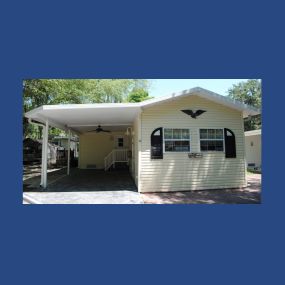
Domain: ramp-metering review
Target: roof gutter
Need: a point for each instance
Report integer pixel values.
(33, 122)
(36, 123)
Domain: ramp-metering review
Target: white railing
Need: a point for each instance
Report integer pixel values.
(116, 155)
(108, 161)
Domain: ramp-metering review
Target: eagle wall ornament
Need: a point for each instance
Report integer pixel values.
(193, 114)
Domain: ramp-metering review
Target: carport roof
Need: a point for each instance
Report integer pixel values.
(82, 117)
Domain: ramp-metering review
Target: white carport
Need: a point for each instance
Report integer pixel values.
(79, 119)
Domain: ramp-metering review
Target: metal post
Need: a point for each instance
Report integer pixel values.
(45, 154)
(68, 154)
(139, 150)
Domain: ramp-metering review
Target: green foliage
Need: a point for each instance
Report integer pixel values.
(249, 92)
(138, 95)
(37, 92)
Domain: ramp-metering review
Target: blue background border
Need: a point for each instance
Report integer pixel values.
(73, 244)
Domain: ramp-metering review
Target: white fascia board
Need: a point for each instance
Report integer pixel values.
(170, 97)
(91, 106)
(31, 114)
(35, 112)
(252, 133)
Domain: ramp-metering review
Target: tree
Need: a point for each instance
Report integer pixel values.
(37, 92)
(248, 92)
(138, 95)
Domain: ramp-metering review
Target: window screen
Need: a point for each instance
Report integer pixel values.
(211, 140)
(177, 140)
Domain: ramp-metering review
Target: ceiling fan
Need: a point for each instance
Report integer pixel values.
(99, 130)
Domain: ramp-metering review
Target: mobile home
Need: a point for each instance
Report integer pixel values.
(192, 140)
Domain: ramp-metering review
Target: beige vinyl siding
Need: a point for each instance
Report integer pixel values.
(177, 172)
(94, 147)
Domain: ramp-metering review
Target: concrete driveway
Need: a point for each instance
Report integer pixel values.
(117, 187)
(99, 197)
(249, 195)
(83, 187)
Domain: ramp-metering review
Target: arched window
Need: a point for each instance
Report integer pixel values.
(230, 144)
(156, 144)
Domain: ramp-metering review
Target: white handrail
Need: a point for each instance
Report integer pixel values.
(108, 161)
(116, 155)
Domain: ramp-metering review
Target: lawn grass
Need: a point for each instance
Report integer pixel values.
(251, 171)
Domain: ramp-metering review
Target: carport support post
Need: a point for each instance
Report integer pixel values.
(44, 155)
(68, 154)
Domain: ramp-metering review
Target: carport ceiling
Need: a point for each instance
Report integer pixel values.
(85, 117)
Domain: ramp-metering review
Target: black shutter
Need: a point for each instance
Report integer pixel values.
(156, 144)
(230, 144)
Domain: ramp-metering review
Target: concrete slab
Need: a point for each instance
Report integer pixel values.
(99, 197)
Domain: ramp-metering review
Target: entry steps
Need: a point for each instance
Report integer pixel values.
(116, 155)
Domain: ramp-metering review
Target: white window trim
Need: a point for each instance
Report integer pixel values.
(211, 151)
(164, 151)
(117, 137)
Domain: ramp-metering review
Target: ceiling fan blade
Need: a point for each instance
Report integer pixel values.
(99, 130)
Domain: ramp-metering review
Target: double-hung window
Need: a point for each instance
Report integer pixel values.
(176, 140)
(212, 139)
